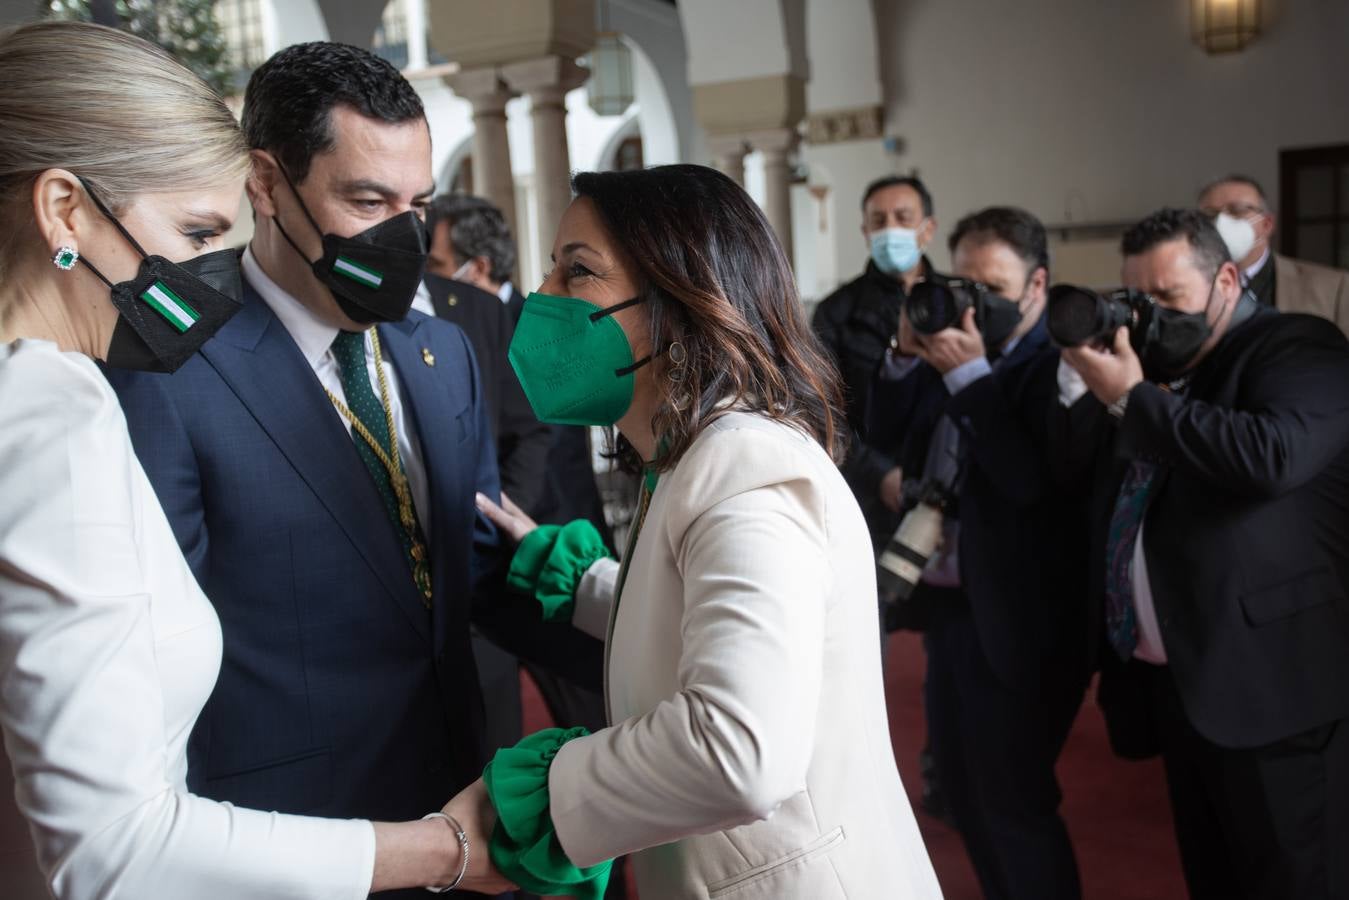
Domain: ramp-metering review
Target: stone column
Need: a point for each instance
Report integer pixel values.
(728, 156)
(763, 113)
(777, 145)
(492, 176)
(546, 82)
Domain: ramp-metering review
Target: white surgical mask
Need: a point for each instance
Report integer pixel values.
(1237, 234)
(459, 272)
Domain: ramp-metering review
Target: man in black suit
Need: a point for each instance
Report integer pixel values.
(1221, 547)
(474, 246)
(967, 408)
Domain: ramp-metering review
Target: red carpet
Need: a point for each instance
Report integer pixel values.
(1116, 811)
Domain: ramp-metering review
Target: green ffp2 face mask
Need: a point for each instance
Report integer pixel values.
(574, 360)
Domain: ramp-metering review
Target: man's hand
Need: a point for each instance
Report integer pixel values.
(511, 519)
(473, 809)
(952, 347)
(1109, 373)
(906, 341)
(890, 489)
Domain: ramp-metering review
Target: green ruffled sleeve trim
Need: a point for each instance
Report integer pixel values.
(549, 564)
(524, 846)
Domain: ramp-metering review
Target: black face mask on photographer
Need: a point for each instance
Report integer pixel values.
(373, 275)
(1001, 317)
(1176, 340)
(169, 309)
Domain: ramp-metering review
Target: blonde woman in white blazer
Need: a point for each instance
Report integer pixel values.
(749, 755)
(115, 159)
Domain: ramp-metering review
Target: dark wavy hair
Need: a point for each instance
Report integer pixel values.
(716, 280)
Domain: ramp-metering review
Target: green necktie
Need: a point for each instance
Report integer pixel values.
(349, 351)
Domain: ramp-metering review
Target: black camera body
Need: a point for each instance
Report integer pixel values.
(1079, 316)
(939, 301)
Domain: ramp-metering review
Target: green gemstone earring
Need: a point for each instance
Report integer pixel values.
(65, 258)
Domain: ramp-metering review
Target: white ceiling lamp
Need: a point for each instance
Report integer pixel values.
(610, 87)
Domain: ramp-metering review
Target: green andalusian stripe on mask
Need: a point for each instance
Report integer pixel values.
(169, 305)
(357, 272)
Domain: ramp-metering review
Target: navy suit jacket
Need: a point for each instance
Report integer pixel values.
(340, 694)
(1022, 545)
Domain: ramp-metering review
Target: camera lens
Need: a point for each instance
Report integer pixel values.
(1076, 315)
(932, 306)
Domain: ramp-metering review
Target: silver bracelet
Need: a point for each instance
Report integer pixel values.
(463, 851)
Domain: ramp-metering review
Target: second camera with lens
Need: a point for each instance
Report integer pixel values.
(939, 301)
(1079, 316)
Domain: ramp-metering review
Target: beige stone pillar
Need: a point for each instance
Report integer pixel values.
(492, 176)
(777, 145)
(728, 156)
(763, 113)
(546, 82)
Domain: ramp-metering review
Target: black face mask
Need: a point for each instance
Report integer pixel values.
(373, 275)
(999, 318)
(1176, 340)
(169, 309)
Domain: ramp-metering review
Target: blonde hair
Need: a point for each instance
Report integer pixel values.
(113, 109)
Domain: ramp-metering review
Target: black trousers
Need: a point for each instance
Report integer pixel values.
(995, 749)
(1267, 823)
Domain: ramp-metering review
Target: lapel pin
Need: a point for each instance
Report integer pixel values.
(428, 357)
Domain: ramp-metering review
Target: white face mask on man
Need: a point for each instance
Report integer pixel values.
(1237, 234)
(459, 272)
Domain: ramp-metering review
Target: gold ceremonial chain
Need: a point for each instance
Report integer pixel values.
(421, 568)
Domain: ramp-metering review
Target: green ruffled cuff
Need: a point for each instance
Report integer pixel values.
(549, 564)
(524, 845)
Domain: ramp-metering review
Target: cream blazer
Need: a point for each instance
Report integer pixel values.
(1306, 287)
(750, 755)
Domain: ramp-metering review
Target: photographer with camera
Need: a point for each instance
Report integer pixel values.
(1220, 550)
(962, 403)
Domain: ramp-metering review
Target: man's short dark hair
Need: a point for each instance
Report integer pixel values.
(477, 228)
(290, 98)
(1194, 227)
(1236, 178)
(908, 181)
(1014, 227)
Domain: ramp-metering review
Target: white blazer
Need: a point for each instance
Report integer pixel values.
(108, 650)
(750, 755)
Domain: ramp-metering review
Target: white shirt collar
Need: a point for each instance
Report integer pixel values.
(313, 336)
(504, 292)
(421, 302)
(1258, 265)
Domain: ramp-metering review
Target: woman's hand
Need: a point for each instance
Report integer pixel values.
(510, 518)
(473, 809)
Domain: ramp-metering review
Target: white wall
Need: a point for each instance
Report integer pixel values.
(729, 41)
(1101, 111)
(841, 43)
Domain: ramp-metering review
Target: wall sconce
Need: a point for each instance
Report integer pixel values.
(1224, 26)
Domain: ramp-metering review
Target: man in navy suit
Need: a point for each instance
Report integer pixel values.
(319, 463)
(969, 407)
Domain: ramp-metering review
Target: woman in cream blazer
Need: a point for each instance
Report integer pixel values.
(749, 755)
